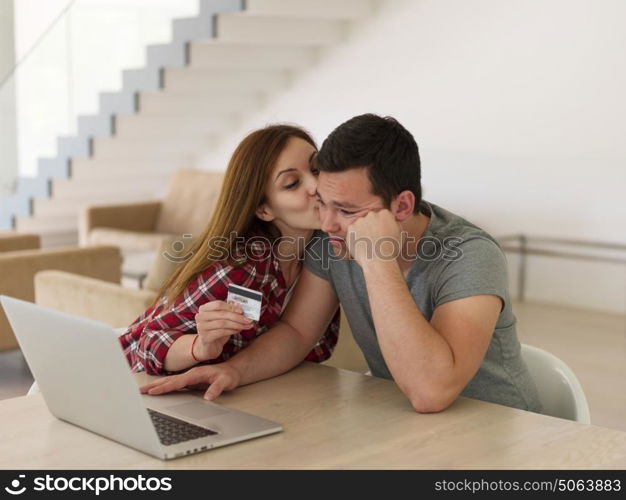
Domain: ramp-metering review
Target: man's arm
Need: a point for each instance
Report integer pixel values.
(278, 350)
(287, 343)
(431, 362)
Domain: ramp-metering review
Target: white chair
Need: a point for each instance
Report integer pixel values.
(560, 392)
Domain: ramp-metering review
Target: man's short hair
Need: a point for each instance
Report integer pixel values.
(384, 147)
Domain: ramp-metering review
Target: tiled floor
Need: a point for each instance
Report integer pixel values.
(593, 345)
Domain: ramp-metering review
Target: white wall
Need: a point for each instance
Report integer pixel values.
(518, 107)
(32, 20)
(8, 150)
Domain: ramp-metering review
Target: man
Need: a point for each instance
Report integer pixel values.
(424, 291)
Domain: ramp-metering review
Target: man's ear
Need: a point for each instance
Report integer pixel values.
(402, 205)
(263, 212)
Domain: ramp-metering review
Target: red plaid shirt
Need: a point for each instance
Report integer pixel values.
(148, 338)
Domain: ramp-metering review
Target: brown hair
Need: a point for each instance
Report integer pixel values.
(243, 191)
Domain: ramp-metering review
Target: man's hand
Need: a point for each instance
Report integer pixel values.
(216, 321)
(376, 236)
(220, 377)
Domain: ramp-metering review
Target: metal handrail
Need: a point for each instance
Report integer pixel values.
(566, 241)
(525, 249)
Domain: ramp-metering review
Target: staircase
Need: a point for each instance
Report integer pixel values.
(219, 66)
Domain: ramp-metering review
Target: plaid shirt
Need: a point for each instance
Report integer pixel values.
(149, 337)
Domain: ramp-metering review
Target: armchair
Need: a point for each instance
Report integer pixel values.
(108, 302)
(11, 241)
(141, 227)
(18, 269)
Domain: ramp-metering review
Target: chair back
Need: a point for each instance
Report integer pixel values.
(10, 241)
(189, 202)
(560, 392)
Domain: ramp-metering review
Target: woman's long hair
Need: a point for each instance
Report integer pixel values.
(243, 191)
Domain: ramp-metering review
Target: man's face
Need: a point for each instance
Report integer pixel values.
(344, 197)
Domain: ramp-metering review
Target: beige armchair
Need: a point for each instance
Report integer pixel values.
(110, 303)
(18, 269)
(91, 298)
(11, 241)
(141, 227)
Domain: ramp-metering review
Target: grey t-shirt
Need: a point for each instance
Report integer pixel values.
(455, 259)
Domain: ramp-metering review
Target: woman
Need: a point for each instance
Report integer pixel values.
(265, 215)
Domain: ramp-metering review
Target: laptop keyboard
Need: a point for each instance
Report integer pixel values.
(172, 430)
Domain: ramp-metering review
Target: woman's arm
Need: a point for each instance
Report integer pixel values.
(178, 356)
(146, 344)
(161, 342)
(278, 350)
(216, 321)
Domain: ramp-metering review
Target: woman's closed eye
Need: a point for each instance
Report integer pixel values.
(292, 184)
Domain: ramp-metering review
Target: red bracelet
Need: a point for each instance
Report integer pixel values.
(192, 344)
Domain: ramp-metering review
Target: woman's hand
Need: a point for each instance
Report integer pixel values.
(216, 321)
(220, 377)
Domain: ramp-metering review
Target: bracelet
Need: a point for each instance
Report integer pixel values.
(192, 344)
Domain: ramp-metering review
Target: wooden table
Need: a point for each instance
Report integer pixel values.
(333, 419)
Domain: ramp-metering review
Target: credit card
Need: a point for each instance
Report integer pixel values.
(249, 300)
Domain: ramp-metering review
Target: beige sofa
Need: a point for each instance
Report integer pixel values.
(110, 303)
(11, 241)
(141, 227)
(18, 269)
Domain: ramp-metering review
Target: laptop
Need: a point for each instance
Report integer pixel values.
(83, 375)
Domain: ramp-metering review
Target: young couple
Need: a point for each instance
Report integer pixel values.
(425, 291)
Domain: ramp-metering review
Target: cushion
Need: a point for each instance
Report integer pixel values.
(129, 241)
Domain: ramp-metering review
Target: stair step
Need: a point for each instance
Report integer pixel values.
(74, 206)
(95, 169)
(192, 104)
(80, 188)
(319, 9)
(264, 29)
(59, 239)
(44, 224)
(195, 129)
(207, 81)
(60, 205)
(217, 54)
(51, 237)
(176, 150)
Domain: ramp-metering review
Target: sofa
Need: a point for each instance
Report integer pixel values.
(19, 267)
(10, 241)
(143, 226)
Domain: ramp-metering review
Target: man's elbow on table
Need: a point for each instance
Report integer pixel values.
(431, 401)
